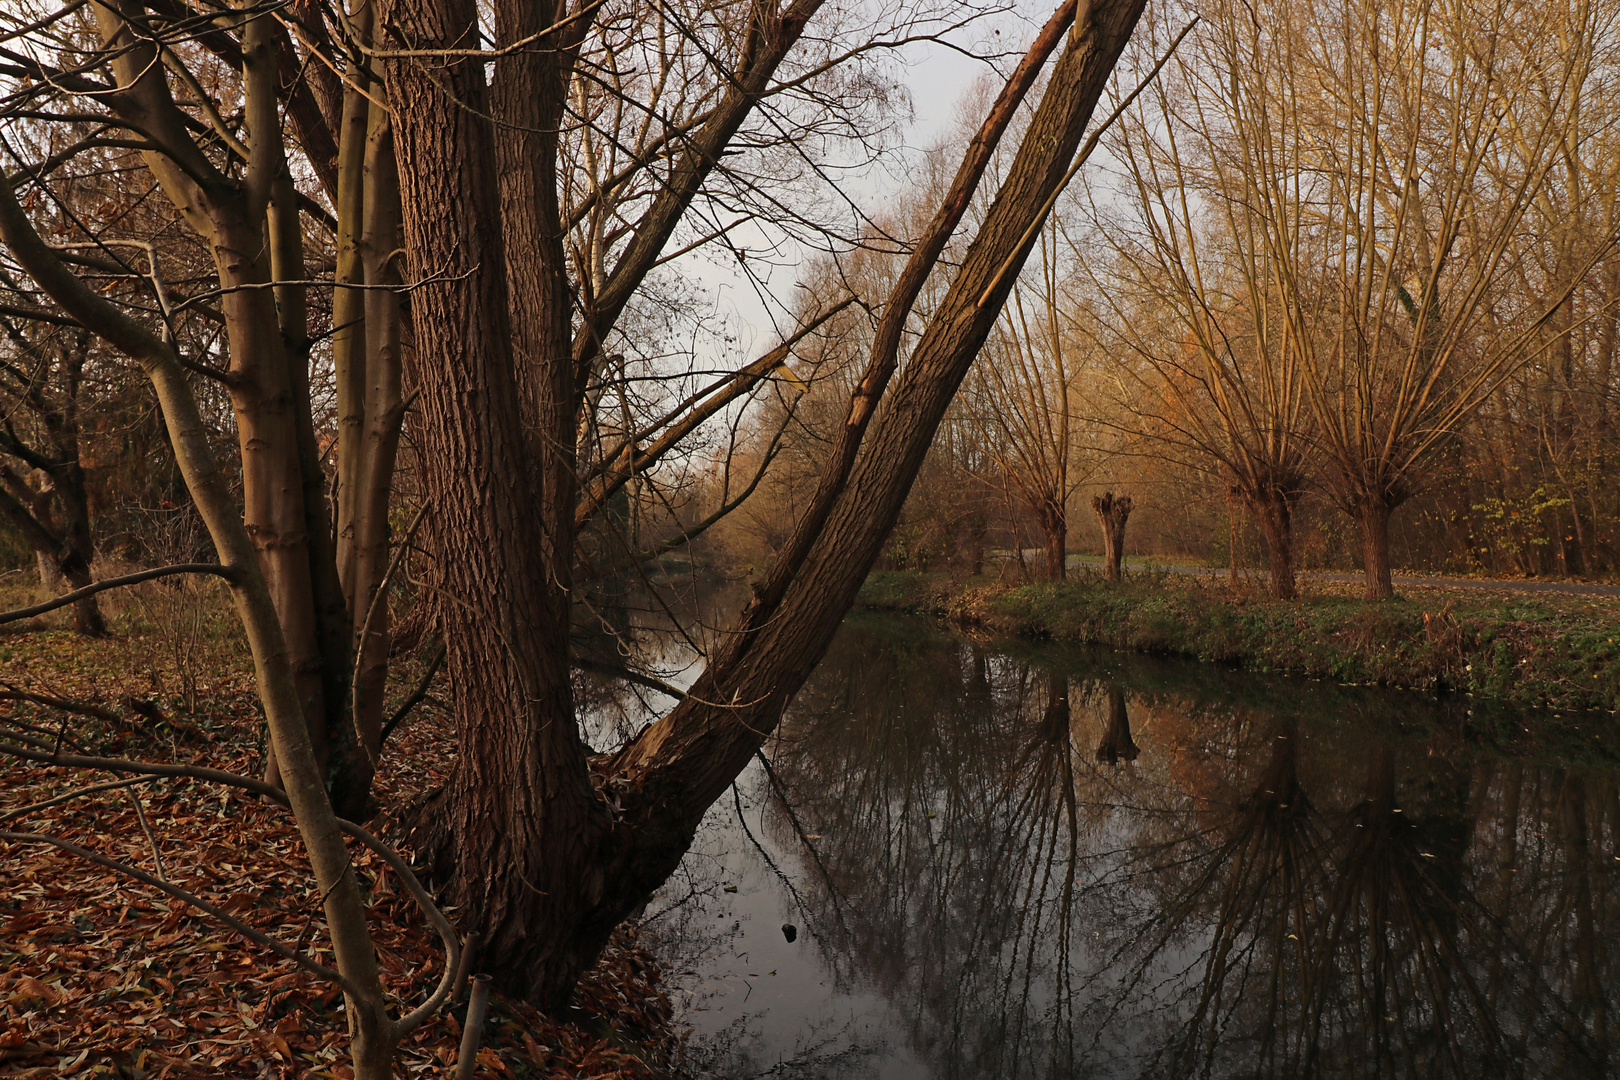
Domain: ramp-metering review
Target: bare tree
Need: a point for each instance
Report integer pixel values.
(1196, 295)
(45, 495)
(1020, 399)
(546, 851)
(1385, 158)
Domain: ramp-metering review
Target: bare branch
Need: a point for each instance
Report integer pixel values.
(118, 582)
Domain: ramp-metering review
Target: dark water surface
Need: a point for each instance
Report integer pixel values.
(1058, 863)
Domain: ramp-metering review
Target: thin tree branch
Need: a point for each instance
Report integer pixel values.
(118, 582)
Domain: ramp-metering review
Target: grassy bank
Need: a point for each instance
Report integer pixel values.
(1548, 650)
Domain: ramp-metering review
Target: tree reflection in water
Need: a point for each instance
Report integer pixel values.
(1284, 879)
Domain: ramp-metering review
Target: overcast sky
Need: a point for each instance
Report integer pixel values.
(937, 76)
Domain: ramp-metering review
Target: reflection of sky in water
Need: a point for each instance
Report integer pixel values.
(1291, 879)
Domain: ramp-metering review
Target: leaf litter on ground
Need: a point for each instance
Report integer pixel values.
(104, 976)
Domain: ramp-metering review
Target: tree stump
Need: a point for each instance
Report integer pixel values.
(1112, 513)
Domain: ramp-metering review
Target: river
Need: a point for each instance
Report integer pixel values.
(1013, 860)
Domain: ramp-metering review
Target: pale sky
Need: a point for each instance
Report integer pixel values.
(938, 77)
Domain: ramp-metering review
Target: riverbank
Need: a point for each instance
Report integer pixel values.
(1561, 652)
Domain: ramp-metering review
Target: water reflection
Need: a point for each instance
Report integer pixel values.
(1058, 864)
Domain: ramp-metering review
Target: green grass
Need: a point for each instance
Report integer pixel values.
(1554, 651)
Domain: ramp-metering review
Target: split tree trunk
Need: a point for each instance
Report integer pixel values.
(544, 854)
(1112, 513)
(372, 1032)
(521, 835)
(251, 226)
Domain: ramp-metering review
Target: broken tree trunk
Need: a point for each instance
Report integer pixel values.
(1112, 513)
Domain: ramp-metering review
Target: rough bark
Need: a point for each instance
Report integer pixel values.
(1274, 511)
(1112, 514)
(520, 825)
(1372, 518)
(1055, 532)
(679, 765)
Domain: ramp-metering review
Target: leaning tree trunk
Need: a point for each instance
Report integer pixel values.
(1112, 513)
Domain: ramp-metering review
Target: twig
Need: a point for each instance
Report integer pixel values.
(417, 696)
(226, 572)
(620, 671)
(12, 692)
(140, 815)
(69, 796)
(365, 633)
(447, 931)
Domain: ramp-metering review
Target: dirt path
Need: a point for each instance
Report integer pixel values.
(1567, 588)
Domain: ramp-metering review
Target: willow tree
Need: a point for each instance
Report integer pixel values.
(1199, 299)
(1019, 400)
(210, 116)
(1384, 158)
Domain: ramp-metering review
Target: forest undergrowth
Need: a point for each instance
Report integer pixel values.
(103, 976)
(1546, 651)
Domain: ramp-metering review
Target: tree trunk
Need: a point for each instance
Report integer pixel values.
(1112, 513)
(62, 552)
(50, 575)
(1573, 540)
(1275, 512)
(250, 225)
(1234, 535)
(239, 551)
(383, 418)
(1055, 529)
(1372, 517)
(520, 834)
